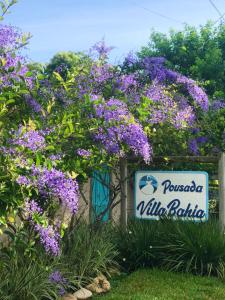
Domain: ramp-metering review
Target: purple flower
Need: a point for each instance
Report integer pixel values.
(217, 105)
(7, 150)
(36, 107)
(100, 74)
(83, 152)
(23, 180)
(195, 130)
(197, 94)
(94, 97)
(194, 144)
(184, 118)
(57, 277)
(49, 237)
(102, 50)
(31, 208)
(167, 107)
(130, 59)
(9, 37)
(32, 140)
(56, 184)
(156, 92)
(55, 157)
(154, 67)
(127, 81)
(61, 291)
(193, 147)
(202, 139)
(120, 129)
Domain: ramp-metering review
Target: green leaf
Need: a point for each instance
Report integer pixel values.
(11, 101)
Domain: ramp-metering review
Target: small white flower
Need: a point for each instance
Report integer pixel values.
(124, 259)
(130, 232)
(154, 130)
(150, 247)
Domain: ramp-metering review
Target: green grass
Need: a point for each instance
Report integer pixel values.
(160, 285)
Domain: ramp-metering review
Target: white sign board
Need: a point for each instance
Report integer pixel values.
(178, 194)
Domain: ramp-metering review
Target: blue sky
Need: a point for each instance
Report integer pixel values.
(62, 25)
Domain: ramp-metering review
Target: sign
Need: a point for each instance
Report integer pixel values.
(178, 194)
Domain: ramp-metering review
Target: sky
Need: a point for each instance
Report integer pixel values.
(75, 25)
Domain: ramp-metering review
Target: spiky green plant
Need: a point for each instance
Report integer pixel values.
(90, 251)
(23, 280)
(198, 248)
(137, 244)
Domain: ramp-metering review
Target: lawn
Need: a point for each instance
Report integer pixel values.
(161, 285)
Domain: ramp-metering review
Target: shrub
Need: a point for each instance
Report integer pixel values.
(19, 281)
(137, 245)
(88, 252)
(197, 248)
(24, 272)
(29, 273)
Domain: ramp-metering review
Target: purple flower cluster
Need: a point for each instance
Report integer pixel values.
(7, 150)
(130, 59)
(217, 105)
(155, 68)
(33, 140)
(167, 107)
(36, 107)
(9, 37)
(184, 118)
(23, 180)
(57, 278)
(194, 144)
(49, 235)
(83, 152)
(102, 49)
(94, 97)
(55, 157)
(156, 92)
(31, 208)
(100, 74)
(121, 129)
(49, 238)
(127, 82)
(14, 65)
(195, 91)
(136, 139)
(56, 184)
(112, 110)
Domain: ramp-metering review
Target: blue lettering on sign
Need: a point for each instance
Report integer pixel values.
(169, 187)
(173, 209)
